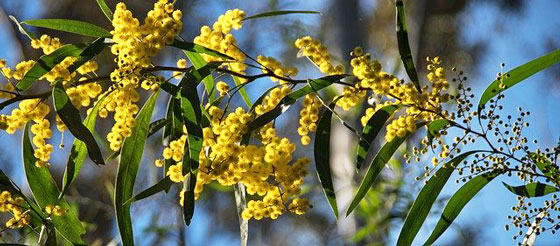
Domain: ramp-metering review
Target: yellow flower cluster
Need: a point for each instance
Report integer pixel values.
(319, 55)
(181, 63)
(19, 71)
(175, 152)
(308, 117)
(81, 95)
(222, 88)
(299, 206)
(13, 206)
(42, 131)
(55, 210)
(272, 99)
(419, 106)
(134, 45)
(271, 64)
(219, 38)
(123, 103)
(46, 43)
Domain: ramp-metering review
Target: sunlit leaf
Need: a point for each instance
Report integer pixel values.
(426, 198)
(158, 187)
(71, 26)
(457, 202)
(535, 189)
(372, 128)
(157, 125)
(242, 91)
(199, 62)
(45, 192)
(404, 47)
(375, 167)
(129, 163)
(517, 75)
(281, 12)
(322, 157)
(105, 9)
(72, 119)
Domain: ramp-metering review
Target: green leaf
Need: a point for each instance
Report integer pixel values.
(191, 115)
(47, 62)
(22, 29)
(79, 150)
(105, 9)
(532, 189)
(71, 26)
(290, 99)
(404, 47)
(242, 91)
(161, 185)
(72, 119)
(157, 125)
(372, 128)
(434, 127)
(195, 48)
(517, 75)
(51, 235)
(282, 12)
(198, 62)
(458, 201)
(129, 163)
(6, 184)
(426, 198)
(322, 156)
(172, 131)
(375, 167)
(45, 192)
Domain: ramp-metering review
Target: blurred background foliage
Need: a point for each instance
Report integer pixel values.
(436, 27)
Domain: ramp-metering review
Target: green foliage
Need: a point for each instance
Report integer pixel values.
(372, 128)
(282, 12)
(404, 47)
(375, 167)
(322, 156)
(532, 189)
(426, 198)
(45, 192)
(72, 119)
(71, 26)
(517, 75)
(129, 163)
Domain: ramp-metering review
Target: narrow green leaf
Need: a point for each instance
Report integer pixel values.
(157, 125)
(71, 26)
(47, 62)
(458, 201)
(281, 12)
(45, 192)
(404, 47)
(22, 29)
(172, 131)
(199, 49)
(72, 119)
(435, 127)
(129, 163)
(290, 99)
(191, 116)
(322, 156)
(79, 150)
(158, 187)
(243, 92)
(517, 75)
(426, 198)
(199, 62)
(51, 235)
(6, 184)
(532, 189)
(105, 9)
(375, 167)
(372, 128)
